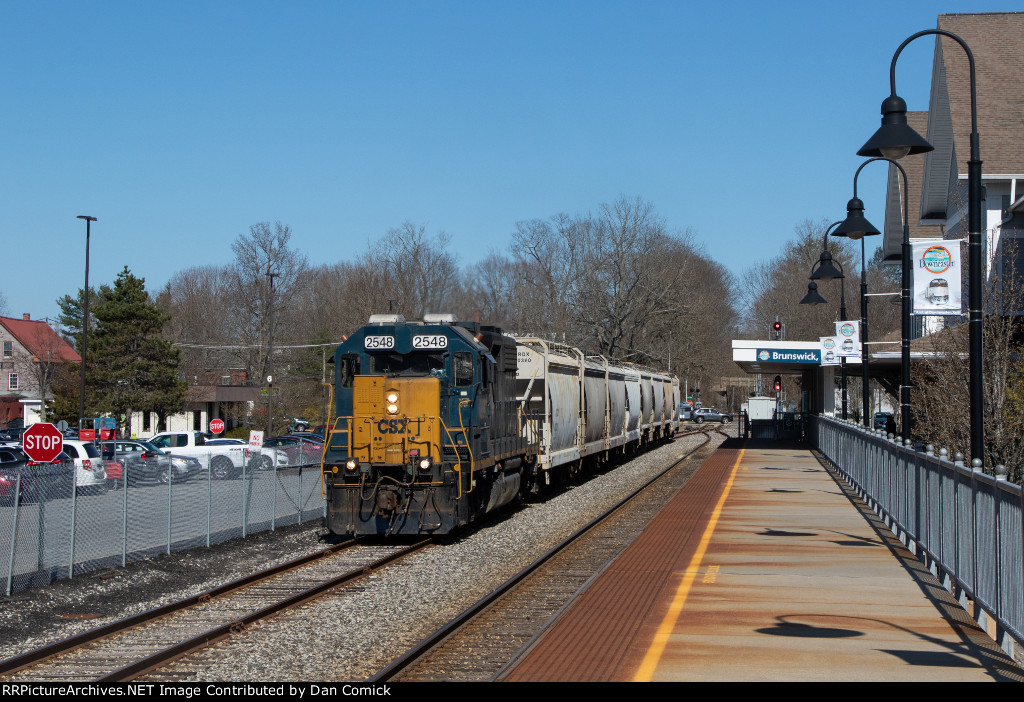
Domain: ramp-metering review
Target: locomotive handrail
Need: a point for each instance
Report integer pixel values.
(458, 459)
(469, 445)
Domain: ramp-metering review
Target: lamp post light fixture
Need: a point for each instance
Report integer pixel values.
(85, 318)
(828, 269)
(856, 227)
(895, 139)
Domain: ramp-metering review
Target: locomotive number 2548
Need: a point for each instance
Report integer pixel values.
(379, 342)
(430, 341)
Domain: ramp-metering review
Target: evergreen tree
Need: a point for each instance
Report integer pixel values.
(130, 366)
(70, 317)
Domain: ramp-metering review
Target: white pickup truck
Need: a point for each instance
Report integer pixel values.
(223, 461)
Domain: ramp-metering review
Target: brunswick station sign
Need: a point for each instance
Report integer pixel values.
(789, 356)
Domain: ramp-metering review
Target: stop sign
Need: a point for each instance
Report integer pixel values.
(216, 426)
(42, 442)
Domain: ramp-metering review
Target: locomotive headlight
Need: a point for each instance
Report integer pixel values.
(392, 406)
(425, 464)
(351, 465)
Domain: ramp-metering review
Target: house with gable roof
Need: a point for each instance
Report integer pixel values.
(30, 353)
(939, 182)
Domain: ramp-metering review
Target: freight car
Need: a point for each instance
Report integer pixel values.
(437, 423)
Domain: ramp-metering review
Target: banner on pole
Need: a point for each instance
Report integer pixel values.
(848, 338)
(936, 289)
(829, 357)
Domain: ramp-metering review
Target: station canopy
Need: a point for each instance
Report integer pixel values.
(777, 357)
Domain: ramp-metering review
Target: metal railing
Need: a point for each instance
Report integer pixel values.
(968, 527)
(51, 528)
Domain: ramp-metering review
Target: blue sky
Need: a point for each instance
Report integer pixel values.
(180, 124)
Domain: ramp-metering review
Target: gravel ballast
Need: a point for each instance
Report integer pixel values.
(344, 636)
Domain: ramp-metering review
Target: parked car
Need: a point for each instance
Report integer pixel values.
(710, 414)
(38, 479)
(14, 461)
(685, 411)
(222, 460)
(144, 462)
(297, 450)
(885, 420)
(89, 473)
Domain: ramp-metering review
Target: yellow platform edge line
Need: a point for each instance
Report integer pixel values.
(646, 671)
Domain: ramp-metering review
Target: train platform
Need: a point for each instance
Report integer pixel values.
(765, 567)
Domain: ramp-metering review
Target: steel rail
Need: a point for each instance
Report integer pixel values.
(423, 647)
(52, 651)
(156, 660)
(37, 655)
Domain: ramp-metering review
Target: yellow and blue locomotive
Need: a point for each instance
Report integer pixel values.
(427, 434)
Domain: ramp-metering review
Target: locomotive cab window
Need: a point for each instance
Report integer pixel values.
(348, 369)
(462, 367)
(392, 364)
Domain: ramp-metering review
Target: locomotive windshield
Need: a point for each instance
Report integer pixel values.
(406, 364)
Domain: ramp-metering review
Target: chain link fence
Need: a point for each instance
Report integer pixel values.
(51, 527)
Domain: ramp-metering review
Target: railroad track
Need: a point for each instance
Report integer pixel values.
(484, 640)
(126, 649)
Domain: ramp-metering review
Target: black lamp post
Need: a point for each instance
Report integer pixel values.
(270, 358)
(856, 227)
(895, 139)
(85, 318)
(862, 227)
(828, 269)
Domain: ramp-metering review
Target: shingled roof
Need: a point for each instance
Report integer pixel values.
(40, 340)
(997, 41)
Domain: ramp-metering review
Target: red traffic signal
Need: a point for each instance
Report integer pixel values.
(777, 326)
(778, 383)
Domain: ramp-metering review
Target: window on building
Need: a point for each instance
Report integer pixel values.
(8, 349)
(12, 381)
(225, 380)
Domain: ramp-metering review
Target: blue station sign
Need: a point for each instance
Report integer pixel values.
(789, 356)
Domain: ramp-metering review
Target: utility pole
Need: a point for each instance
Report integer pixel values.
(270, 358)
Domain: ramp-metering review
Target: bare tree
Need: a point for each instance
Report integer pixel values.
(200, 308)
(420, 273)
(940, 397)
(550, 258)
(774, 289)
(263, 250)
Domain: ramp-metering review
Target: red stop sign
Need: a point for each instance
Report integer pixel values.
(43, 442)
(216, 426)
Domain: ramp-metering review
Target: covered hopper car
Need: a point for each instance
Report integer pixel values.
(437, 423)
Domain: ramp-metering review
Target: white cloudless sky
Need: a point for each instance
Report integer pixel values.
(180, 124)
